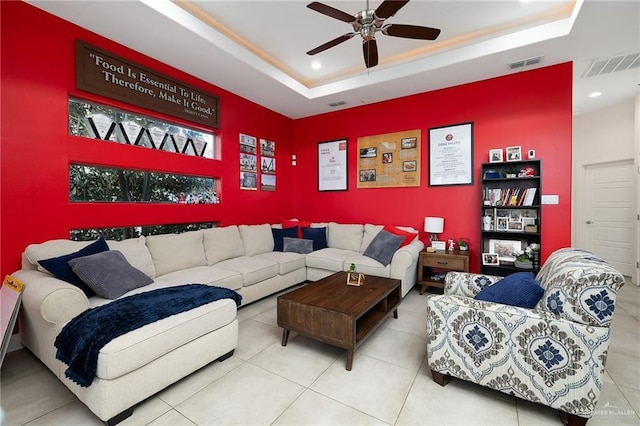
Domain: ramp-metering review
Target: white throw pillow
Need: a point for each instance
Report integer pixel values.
(345, 236)
(257, 239)
(174, 252)
(222, 243)
(136, 252)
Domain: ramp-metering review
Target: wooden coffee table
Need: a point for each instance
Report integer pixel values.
(333, 312)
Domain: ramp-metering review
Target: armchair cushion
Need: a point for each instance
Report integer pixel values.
(519, 289)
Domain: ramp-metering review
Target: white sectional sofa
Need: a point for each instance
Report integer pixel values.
(138, 364)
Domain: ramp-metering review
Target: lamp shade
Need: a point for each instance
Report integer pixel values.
(434, 225)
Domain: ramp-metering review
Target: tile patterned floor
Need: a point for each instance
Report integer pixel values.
(305, 383)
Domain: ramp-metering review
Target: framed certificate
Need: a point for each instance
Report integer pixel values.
(332, 165)
(451, 155)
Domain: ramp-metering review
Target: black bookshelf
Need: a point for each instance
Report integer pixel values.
(511, 214)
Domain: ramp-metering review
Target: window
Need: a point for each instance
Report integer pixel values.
(91, 120)
(123, 233)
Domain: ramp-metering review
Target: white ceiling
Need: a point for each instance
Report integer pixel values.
(256, 49)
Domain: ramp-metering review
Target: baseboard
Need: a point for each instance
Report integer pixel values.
(14, 343)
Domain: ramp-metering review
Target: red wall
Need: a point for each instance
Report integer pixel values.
(38, 76)
(529, 109)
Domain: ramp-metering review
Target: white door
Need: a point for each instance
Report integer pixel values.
(608, 214)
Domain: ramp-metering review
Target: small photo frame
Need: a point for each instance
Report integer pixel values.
(387, 157)
(408, 143)
(514, 153)
(370, 152)
(439, 245)
(502, 223)
(495, 156)
(409, 166)
(515, 226)
(490, 259)
(355, 279)
(368, 175)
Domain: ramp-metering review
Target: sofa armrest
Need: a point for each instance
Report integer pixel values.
(404, 265)
(53, 300)
(467, 284)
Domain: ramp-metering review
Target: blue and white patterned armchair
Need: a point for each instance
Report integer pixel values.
(553, 354)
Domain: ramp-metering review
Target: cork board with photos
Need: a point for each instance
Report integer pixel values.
(389, 160)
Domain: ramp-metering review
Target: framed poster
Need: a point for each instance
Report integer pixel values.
(389, 160)
(332, 165)
(451, 155)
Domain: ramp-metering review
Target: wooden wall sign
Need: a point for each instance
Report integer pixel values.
(389, 160)
(106, 74)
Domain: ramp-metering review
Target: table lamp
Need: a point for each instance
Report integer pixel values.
(434, 226)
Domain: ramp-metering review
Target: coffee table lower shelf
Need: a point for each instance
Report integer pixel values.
(334, 313)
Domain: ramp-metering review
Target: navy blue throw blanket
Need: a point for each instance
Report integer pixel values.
(81, 339)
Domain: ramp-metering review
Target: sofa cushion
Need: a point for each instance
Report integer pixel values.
(52, 248)
(279, 234)
(252, 269)
(136, 252)
(298, 245)
(60, 268)
(256, 239)
(173, 252)
(331, 259)
(108, 273)
(383, 246)
(519, 289)
(210, 275)
(222, 243)
(408, 236)
(370, 231)
(140, 347)
(345, 236)
(317, 235)
(287, 261)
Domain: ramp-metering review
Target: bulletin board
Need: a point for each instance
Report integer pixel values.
(389, 160)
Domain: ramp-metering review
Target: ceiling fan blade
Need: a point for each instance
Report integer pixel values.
(329, 44)
(332, 12)
(411, 31)
(370, 50)
(389, 8)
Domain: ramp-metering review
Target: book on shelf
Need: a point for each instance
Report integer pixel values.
(513, 197)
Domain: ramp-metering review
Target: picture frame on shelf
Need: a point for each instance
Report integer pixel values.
(505, 249)
(495, 156)
(490, 259)
(514, 153)
(439, 245)
(515, 226)
(502, 223)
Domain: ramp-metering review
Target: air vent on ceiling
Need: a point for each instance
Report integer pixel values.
(613, 64)
(337, 104)
(525, 63)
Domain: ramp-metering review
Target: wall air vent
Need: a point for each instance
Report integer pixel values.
(613, 64)
(525, 63)
(337, 104)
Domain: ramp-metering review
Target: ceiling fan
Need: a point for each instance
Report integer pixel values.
(367, 22)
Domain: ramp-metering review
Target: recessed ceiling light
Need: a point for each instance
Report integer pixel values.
(595, 94)
(316, 65)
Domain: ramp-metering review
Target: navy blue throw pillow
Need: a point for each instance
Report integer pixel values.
(317, 235)
(60, 268)
(279, 234)
(519, 289)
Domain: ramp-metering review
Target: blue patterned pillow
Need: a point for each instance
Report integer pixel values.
(519, 289)
(279, 234)
(60, 268)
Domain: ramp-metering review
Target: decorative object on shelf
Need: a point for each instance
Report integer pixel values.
(451, 244)
(525, 258)
(510, 172)
(434, 226)
(514, 153)
(487, 223)
(491, 174)
(495, 156)
(354, 278)
(463, 244)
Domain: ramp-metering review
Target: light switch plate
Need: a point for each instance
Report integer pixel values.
(550, 199)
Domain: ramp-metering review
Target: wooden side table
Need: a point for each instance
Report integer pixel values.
(433, 266)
